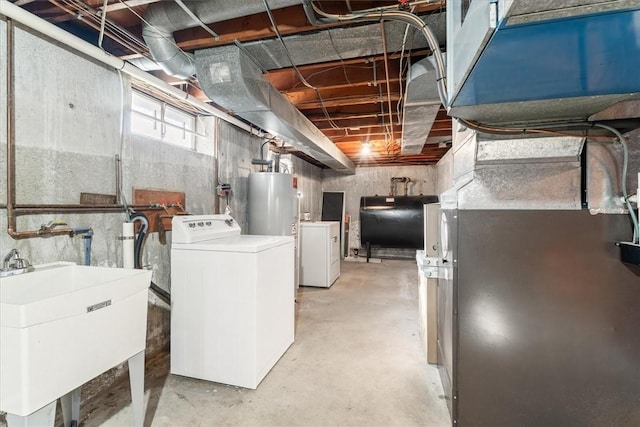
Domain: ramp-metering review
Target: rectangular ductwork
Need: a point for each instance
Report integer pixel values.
(229, 76)
(421, 105)
(518, 63)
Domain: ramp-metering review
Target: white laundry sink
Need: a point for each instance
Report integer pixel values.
(64, 324)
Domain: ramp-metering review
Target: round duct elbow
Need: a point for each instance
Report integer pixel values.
(169, 57)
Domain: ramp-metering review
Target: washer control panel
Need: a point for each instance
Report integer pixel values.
(198, 228)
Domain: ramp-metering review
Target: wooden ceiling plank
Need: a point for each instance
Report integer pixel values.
(347, 102)
(328, 94)
(126, 4)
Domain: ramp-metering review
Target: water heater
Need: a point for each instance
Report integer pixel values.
(272, 204)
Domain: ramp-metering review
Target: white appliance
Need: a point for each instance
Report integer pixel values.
(232, 300)
(319, 253)
(428, 274)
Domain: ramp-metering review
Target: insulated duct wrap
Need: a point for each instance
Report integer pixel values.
(337, 44)
(229, 76)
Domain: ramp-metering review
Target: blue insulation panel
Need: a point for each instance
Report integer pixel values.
(579, 56)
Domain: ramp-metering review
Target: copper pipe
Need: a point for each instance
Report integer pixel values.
(11, 133)
(40, 211)
(46, 208)
(20, 210)
(386, 73)
(42, 233)
(14, 210)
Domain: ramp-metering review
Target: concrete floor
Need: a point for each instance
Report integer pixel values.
(356, 361)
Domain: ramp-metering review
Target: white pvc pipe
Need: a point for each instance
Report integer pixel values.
(34, 22)
(127, 245)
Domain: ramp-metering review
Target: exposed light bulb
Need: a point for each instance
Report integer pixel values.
(366, 148)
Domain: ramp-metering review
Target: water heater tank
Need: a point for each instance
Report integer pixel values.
(272, 204)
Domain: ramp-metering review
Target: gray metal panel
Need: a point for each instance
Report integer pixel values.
(528, 113)
(548, 320)
(529, 150)
(530, 11)
(523, 186)
(271, 203)
(465, 42)
(235, 82)
(446, 297)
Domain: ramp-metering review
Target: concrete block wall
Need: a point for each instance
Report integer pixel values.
(371, 181)
(72, 118)
(309, 179)
(237, 149)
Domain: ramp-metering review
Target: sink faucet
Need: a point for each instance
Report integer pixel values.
(13, 264)
(13, 254)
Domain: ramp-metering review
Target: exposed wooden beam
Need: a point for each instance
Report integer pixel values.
(126, 4)
(291, 20)
(371, 108)
(297, 98)
(364, 130)
(369, 122)
(347, 101)
(334, 74)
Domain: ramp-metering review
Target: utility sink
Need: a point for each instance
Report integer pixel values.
(64, 324)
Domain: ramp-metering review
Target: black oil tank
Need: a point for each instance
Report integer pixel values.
(393, 222)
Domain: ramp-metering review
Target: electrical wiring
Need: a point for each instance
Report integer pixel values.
(196, 19)
(94, 19)
(344, 69)
(380, 14)
(402, 71)
(623, 179)
(103, 21)
(295, 67)
(168, 39)
(326, 70)
(547, 129)
(387, 77)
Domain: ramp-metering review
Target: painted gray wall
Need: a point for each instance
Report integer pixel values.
(237, 149)
(309, 179)
(69, 116)
(371, 181)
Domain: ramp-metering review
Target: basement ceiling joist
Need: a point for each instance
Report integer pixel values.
(360, 98)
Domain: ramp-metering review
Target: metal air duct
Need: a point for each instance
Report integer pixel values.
(421, 105)
(229, 76)
(162, 19)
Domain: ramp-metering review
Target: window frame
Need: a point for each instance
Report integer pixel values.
(162, 128)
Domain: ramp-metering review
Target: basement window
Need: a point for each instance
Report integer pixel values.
(158, 120)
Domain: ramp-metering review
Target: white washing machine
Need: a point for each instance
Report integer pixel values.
(232, 300)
